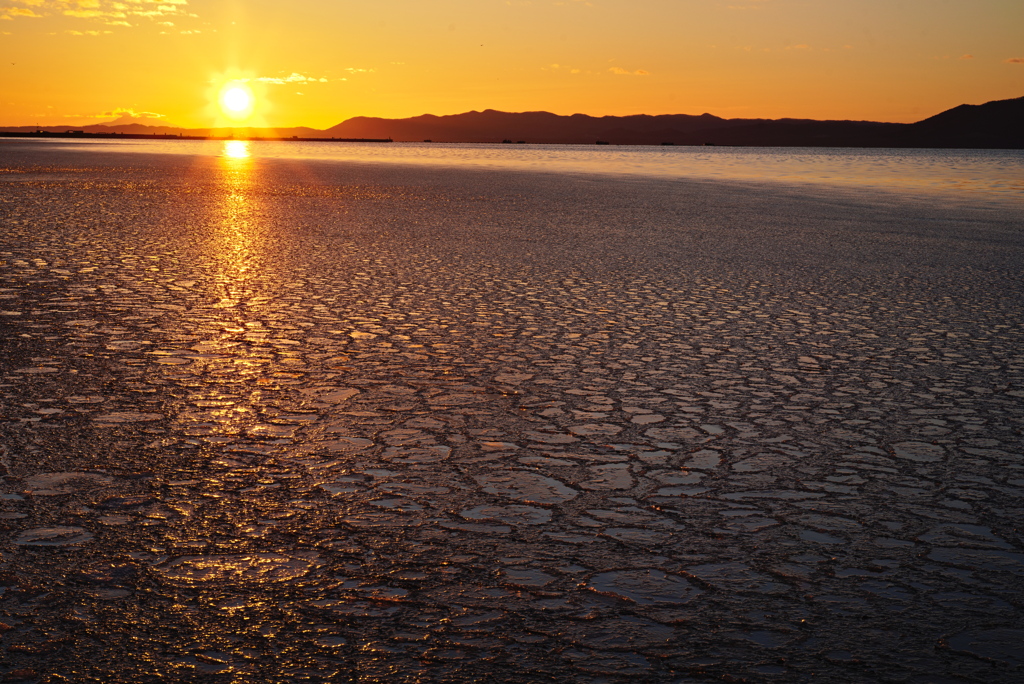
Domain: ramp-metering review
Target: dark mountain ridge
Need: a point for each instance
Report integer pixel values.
(994, 124)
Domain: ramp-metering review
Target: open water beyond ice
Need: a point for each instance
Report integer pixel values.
(953, 175)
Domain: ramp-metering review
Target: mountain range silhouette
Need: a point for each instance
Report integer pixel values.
(994, 124)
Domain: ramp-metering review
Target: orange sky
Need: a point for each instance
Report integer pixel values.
(318, 62)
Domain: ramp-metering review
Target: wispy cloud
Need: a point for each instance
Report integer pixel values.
(562, 67)
(296, 77)
(129, 112)
(8, 13)
(93, 14)
(120, 113)
(281, 80)
(966, 56)
(1015, 60)
(619, 71)
(110, 12)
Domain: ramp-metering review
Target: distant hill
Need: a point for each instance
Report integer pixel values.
(110, 127)
(133, 127)
(990, 125)
(993, 125)
(137, 128)
(534, 127)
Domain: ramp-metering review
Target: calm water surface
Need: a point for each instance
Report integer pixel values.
(992, 174)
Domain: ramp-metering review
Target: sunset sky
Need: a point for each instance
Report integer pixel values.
(318, 62)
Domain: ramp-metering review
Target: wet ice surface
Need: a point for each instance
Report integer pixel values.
(272, 421)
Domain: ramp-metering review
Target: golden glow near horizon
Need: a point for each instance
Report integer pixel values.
(316, 63)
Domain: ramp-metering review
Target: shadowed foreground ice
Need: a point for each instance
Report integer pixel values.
(283, 421)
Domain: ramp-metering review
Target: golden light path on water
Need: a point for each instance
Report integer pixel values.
(238, 230)
(238, 244)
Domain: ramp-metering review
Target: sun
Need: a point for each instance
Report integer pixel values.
(237, 101)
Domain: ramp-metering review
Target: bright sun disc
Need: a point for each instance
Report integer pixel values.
(236, 100)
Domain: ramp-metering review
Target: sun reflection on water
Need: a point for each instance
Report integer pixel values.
(238, 235)
(236, 149)
(237, 245)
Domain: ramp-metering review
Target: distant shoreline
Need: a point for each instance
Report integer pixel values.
(78, 135)
(73, 135)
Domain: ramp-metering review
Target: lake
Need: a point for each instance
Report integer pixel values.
(298, 412)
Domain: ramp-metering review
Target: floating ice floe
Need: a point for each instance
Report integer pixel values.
(53, 536)
(511, 515)
(921, 452)
(644, 587)
(999, 645)
(127, 417)
(736, 577)
(595, 429)
(256, 568)
(526, 486)
(51, 484)
(612, 476)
